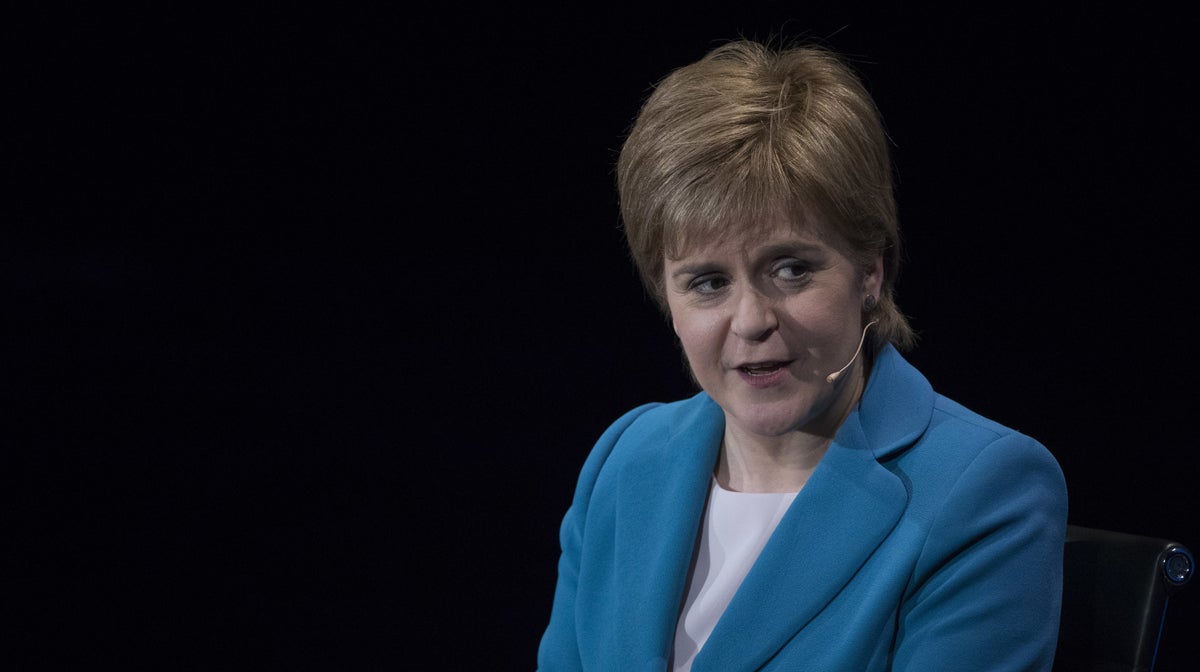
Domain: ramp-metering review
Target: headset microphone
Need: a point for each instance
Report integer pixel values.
(836, 374)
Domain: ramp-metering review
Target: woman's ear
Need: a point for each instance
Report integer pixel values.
(873, 277)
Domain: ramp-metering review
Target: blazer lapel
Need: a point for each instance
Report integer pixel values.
(665, 488)
(844, 512)
(847, 508)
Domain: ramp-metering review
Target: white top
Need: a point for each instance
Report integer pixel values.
(736, 527)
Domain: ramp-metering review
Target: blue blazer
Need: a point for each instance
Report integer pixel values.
(928, 538)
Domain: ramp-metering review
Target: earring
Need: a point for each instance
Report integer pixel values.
(869, 303)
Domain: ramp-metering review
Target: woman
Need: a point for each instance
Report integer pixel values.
(816, 506)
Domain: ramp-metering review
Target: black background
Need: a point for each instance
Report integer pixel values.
(312, 314)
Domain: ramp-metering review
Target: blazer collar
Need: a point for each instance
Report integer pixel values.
(845, 511)
(897, 405)
(847, 508)
(666, 488)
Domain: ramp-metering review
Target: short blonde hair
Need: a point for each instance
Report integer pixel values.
(746, 134)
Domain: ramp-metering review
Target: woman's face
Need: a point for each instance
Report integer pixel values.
(765, 318)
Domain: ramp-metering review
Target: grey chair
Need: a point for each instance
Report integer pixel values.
(1116, 587)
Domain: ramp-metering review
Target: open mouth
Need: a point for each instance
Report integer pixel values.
(762, 369)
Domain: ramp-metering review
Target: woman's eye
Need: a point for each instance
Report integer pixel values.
(707, 284)
(791, 270)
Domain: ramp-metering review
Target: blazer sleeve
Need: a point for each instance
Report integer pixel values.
(559, 646)
(988, 584)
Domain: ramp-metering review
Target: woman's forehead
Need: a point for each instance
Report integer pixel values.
(747, 233)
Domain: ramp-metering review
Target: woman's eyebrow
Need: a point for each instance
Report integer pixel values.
(794, 247)
(692, 268)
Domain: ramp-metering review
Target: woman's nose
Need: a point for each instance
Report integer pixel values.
(754, 316)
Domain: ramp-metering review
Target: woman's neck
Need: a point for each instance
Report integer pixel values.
(750, 463)
(761, 467)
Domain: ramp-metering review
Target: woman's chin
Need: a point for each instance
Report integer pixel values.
(765, 422)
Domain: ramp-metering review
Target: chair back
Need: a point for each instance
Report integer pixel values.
(1116, 587)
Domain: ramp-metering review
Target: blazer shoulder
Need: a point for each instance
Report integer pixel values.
(959, 438)
(651, 420)
(952, 418)
(618, 427)
(650, 427)
(612, 435)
